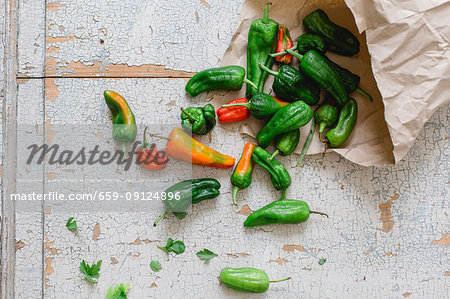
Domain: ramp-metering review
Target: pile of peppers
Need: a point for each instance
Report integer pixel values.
(295, 104)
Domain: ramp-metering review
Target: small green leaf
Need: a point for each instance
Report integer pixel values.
(178, 247)
(322, 261)
(118, 291)
(90, 272)
(206, 254)
(169, 242)
(71, 225)
(155, 265)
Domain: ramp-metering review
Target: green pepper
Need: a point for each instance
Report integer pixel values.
(262, 105)
(286, 211)
(308, 41)
(179, 197)
(337, 38)
(199, 121)
(242, 174)
(222, 78)
(278, 174)
(286, 143)
(347, 119)
(326, 116)
(317, 67)
(262, 40)
(293, 116)
(124, 125)
(307, 142)
(249, 280)
(291, 85)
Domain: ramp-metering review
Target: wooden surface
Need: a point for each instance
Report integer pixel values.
(388, 231)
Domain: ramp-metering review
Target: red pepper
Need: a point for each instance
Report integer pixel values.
(149, 156)
(234, 113)
(284, 42)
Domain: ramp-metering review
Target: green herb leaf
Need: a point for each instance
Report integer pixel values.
(71, 225)
(90, 272)
(155, 265)
(119, 291)
(206, 254)
(322, 261)
(178, 247)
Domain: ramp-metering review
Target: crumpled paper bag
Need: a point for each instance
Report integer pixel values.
(407, 70)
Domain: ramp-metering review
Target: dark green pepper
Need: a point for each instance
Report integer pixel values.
(293, 116)
(286, 143)
(308, 41)
(286, 211)
(307, 142)
(262, 40)
(279, 175)
(222, 78)
(317, 67)
(199, 121)
(249, 280)
(262, 105)
(347, 119)
(325, 117)
(291, 85)
(179, 197)
(338, 39)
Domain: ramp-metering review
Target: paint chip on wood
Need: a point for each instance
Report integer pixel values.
(96, 232)
(386, 216)
(291, 248)
(444, 240)
(19, 245)
(48, 269)
(245, 210)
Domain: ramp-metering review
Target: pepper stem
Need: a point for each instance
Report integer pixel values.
(283, 194)
(320, 213)
(266, 13)
(250, 83)
(124, 150)
(307, 141)
(294, 47)
(322, 126)
(364, 93)
(160, 137)
(266, 69)
(295, 54)
(247, 105)
(144, 141)
(159, 218)
(273, 155)
(235, 191)
(188, 115)
(287, 278)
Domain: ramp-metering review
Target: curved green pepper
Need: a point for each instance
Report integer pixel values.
(308, 41)
(242, 174)
(278, 174)
(249, 280)
(286, 143)
(262, 40)
(286, 211)
(347, 119)
(124, 125)
(199, 121)
(326, 116)
(291, 85)
(337, 38)
(293, 116)
(262, 105)
(179, 197)
(222, 78)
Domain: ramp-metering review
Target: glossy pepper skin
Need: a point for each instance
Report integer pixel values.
(279, 175)
(317, 67)
(182, 195)
(347, 119)
(242, 174)
(222, 78)
(286, 211)
(286, 143)
(262, 40)
(183, 147)
(124, 125)
(325, 116)
(293, 116)
(284, 42)
(149, 156)
(308, 41)
(199, 121)
(261, 106)
(248, 280)
(237, 111)
(291, 85)
(338, 39)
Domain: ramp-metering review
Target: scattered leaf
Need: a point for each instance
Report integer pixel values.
(206, 254)
(90, 272)
(72, 224)
(322, 261)
(155, 265)
(177, 247)
(119, 291)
